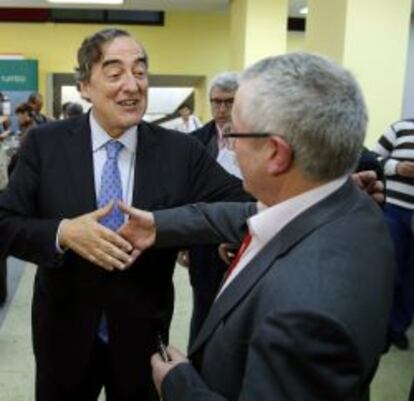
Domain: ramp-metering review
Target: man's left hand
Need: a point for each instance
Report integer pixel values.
(368, 182)
(160, 368)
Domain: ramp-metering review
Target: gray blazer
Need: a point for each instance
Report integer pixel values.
(305, 320)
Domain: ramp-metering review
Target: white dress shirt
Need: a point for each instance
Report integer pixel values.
(126, 157)
(226, 157)
(269, 221)
(191, 125)
(126, 161)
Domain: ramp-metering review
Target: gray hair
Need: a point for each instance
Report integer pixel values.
(312, 102)
(90, 51)
(227, 81)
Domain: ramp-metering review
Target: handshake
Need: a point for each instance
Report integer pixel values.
(117, 250)
(111, 250)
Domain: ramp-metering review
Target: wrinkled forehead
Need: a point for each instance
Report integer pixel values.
(218, 93)
(123, 48)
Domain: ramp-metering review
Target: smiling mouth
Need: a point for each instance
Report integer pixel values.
(128, 103)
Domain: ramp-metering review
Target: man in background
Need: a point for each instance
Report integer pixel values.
(206, 268)
(396, 149)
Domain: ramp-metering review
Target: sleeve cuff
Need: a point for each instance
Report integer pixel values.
(59, 249)
(390, 167)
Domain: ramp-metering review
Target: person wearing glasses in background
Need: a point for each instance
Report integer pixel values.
(302, 314)
(206, 268)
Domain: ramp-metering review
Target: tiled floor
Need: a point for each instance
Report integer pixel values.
(16, 359)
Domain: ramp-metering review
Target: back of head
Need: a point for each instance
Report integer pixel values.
(74, 110)
(315, 104)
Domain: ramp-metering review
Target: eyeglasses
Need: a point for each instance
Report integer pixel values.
(227, 103)
(230, 139)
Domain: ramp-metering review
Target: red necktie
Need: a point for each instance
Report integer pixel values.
(246, 241)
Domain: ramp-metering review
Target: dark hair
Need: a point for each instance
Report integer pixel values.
(74, 110)
(185, 106)
(90, 51)
(65, 106)
(23, 108)
(33, 96)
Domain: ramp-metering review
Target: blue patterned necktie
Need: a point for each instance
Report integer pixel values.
(111, 186)
(111, 189)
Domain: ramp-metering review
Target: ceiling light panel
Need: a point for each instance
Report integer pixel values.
(86, 1)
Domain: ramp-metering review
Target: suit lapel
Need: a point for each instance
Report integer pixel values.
(146, 165)
(283, 242)
(79, 159)
(212, 144)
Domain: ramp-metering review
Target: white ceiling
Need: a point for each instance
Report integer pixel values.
(195, 5)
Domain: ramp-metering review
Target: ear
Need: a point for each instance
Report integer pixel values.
(83, 87)
(281, 157)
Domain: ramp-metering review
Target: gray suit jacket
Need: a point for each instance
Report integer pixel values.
(305, 320)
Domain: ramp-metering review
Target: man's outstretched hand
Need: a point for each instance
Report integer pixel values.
(139, 230)
(87, 237)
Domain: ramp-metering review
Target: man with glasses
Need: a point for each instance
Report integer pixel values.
(302, 313)
(206, 268)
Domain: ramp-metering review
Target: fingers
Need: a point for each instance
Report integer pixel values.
(103, 211)
(367, 177)
(115, 239)
(125, 208)
(156, 360)
(175, 354)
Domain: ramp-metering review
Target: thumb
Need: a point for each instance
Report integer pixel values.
(124, 208)
(103, 211)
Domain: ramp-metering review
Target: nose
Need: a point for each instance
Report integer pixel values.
(222, 106)
(130, 83)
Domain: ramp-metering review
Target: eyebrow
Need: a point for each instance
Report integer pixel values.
(139, 60)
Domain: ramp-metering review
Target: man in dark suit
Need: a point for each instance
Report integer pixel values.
(97, 311)
(206, 268)
(302, 313)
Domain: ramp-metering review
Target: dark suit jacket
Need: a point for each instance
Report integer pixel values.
(305, 320)
(207, 135)
(53, 180)
(206, 267)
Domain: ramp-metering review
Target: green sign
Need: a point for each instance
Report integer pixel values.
(18, 75)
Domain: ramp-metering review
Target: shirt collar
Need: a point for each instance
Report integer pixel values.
(270, 220)
(100, 137)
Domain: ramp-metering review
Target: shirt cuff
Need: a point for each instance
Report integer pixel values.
(58, 247)
(390, 167)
